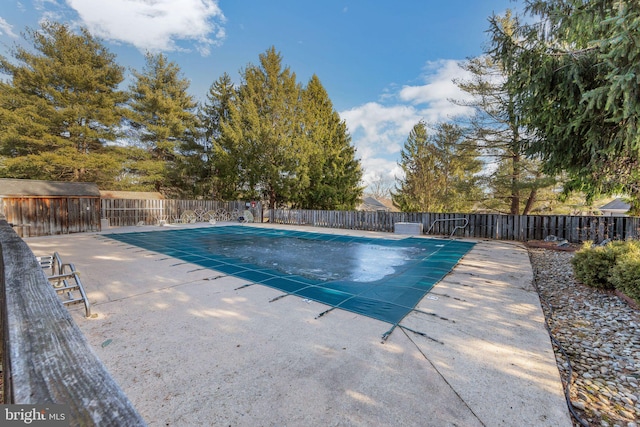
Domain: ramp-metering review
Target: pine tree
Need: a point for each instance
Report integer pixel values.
(61, 108)
(418, 188)
(459, 165)
(264, 125)
(220, 172)
(164, 116)
(516, 179)
(577, 90)
(440, 171)
(334, 172)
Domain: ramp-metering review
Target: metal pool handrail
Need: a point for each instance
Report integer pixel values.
(466, 222)
(61, 276)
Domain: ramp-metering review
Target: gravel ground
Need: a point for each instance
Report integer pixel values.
(598, 342)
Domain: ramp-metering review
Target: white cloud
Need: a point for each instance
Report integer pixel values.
(154, 25)
(379, 129)
(6, 28)
(439, 90)
(40, 4)
(377, 169)
(378, 132)
(379, 126)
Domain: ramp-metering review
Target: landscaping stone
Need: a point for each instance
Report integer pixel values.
(600, 332)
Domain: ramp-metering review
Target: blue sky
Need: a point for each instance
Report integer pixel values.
(385, 64)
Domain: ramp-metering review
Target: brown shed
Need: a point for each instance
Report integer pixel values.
(42, 208)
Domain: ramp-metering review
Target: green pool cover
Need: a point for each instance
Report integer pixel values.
(379, 278)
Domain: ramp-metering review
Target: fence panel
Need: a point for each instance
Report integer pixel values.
(129, 212)
(34, 217)
(480, 226)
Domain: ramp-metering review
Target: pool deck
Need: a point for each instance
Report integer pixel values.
(191, 349)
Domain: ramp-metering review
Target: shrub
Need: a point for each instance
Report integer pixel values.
(625, 275)
(593, 266)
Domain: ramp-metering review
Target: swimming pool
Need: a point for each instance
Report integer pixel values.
(380, 278)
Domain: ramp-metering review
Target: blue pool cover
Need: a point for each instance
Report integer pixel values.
(380, 278)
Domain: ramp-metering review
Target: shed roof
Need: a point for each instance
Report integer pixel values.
(616, 204)
(36, 188)
(138, 195)
(372, 204)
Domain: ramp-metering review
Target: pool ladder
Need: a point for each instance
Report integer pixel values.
(461, 227)
(65, 280)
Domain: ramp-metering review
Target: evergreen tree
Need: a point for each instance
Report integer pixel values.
(577, 89)
(516, 179)
(417, 160)
(502, 184)
(459, 165)
(334, 172)
(220, 172)
(164, 118)
(264, 125)
(61, 108)
(440, 171)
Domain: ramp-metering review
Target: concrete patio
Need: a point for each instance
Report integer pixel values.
(189, 348)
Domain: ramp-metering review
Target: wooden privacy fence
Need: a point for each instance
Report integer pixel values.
(522, 228)
(37, 217)
(44, 216)
(127, 212)
(45, 357)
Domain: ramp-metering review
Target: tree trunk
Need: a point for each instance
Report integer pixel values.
(272, 199)
(515, 181)
(530, 201)
(515, 203)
